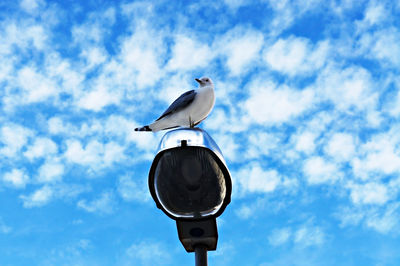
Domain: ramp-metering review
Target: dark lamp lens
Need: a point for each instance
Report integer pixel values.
(189, 182)
(192, 172)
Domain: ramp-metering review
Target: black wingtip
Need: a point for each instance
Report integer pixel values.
(145, 128)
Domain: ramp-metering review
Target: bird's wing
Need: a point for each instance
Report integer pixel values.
(180, 103)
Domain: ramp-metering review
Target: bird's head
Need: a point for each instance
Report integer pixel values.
(205, 81)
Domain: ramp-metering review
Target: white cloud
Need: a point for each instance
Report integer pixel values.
(233, 120)
(133, 9)
(305, 141)
(309, 235)
(38, 198)
(341, 147)
(114, 127)
(51, 171)
(342, 7)
(173, 86)
(13, 137)
(374, 118)
(250, 209)
(375, 13)
(189, 53)
(287, 12)
(386, 221)
(131, 190)
(94, 29)
(280, 236)
(308, 139)
(241, 47)
(234, 4)
(306, 234)
(69, 76)
(123, 128)
(89, 155)
(394, 103)
(217, 119)
(69, 191)
(347, 88)
(319, 171)
(36, 87)
(261, 143)
(119, 126)
(381, 45)
(147, 143)
(105, 204)
(109, 16)
(320, 122)
(253, 178)
(4, 229)
(24, 36)
(94, 154)
(30, 6)
(283, 17)
(72, 251)
(99, 97)
(94, 56)
(286, 55)
(269, 104)
(56, 126)
(349, 216)
(16, 178)
(113, 152)
(87, 32)
(6, 67)
(228, 146)
(42, 147)
(296, 56)
(378, 155)
(149, 253)
(383, 219)
(224, 249)
(245, 211)
(142, 55)
(377, 41)
(369, 193)
(49, 192)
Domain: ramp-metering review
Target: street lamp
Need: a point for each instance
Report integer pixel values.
(189, 182)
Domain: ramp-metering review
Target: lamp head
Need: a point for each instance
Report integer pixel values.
(188, 178)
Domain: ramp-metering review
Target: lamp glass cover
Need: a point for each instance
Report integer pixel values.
(189, 182)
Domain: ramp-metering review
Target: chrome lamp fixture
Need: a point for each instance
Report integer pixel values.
(190, 182)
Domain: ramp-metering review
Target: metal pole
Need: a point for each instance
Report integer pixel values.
(200, 253)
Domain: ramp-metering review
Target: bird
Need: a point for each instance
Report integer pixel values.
(188, 110)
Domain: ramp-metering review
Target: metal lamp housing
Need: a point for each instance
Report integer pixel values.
(189, 179)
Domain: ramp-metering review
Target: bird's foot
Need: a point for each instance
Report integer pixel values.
(191, 123)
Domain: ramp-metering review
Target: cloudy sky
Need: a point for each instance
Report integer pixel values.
(307, 116)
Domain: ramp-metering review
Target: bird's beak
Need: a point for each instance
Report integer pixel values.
(199, 81)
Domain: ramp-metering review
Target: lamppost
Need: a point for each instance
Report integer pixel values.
(189, 182)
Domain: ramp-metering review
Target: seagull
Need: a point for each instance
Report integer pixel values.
(188, 110)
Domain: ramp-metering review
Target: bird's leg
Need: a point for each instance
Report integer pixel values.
(191, 123)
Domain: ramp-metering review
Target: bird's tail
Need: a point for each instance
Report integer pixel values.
(145, 128)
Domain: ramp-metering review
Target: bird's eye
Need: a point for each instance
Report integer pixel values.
(206, 80)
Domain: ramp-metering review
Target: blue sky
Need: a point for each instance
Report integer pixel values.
(307, 116)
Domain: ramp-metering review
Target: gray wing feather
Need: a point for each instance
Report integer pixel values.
(183, 101)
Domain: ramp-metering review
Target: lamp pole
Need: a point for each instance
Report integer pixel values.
(200, 252)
